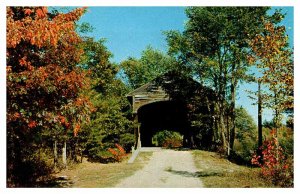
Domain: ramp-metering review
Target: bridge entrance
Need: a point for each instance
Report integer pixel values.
(159, 116)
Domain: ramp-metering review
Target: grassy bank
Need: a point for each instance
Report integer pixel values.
(96, 175)
(217, 172)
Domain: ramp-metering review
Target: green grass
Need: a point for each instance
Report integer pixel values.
(96, 175)
(218, 172)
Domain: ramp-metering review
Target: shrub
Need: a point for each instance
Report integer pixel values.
(127, 141)
(275, 165)
(118, 153)
(168, 139)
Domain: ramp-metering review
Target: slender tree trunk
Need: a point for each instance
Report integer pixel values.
(259, 117)
(211, 121)
(81, 155)
(55, 153)
(276, 113)
(76, 150)
(64, 154)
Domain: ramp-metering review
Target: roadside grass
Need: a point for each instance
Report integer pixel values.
(97, 175)
(218, 172)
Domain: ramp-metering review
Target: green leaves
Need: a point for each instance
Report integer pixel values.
(151, 64)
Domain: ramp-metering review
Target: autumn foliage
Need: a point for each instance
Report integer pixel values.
(275, 165)
(274, 58)
(43, 82)
(118, 153)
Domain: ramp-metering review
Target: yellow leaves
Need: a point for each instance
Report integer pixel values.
(250, 59)
(270, 49)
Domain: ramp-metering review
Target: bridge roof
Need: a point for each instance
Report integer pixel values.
(160, 88)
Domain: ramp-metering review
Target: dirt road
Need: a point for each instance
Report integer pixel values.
(166, 169)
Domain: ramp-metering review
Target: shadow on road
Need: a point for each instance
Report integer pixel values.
(195, 174)
(54, 182)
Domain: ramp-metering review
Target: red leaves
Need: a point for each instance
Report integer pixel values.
(274, 165)
(32, 124)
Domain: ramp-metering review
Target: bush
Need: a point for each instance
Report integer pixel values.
(168, 139)
(118, 153)
(275, 165)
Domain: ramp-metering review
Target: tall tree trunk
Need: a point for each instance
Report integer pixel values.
(222, 125)
(232, 114)
(64, 154)
(259, 119)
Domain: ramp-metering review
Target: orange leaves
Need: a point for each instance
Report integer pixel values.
(43, 82)
(76, 129)
(273, 56)
(71, 16)
(27, 11)
(41, 13)
(17, 115)
(118, 154)
(40, 31)
(13, 117)
(23, 62)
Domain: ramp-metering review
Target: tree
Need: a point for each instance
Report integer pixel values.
(110, 119)
(246, 135)
(151, 64)
(273, 57)
(43, 86)
(214, 47)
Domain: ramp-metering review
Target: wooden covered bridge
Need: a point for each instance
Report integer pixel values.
(166, 103)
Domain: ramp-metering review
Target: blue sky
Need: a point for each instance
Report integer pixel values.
(128, 30)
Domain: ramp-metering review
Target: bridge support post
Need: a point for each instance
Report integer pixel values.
(137, 133)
